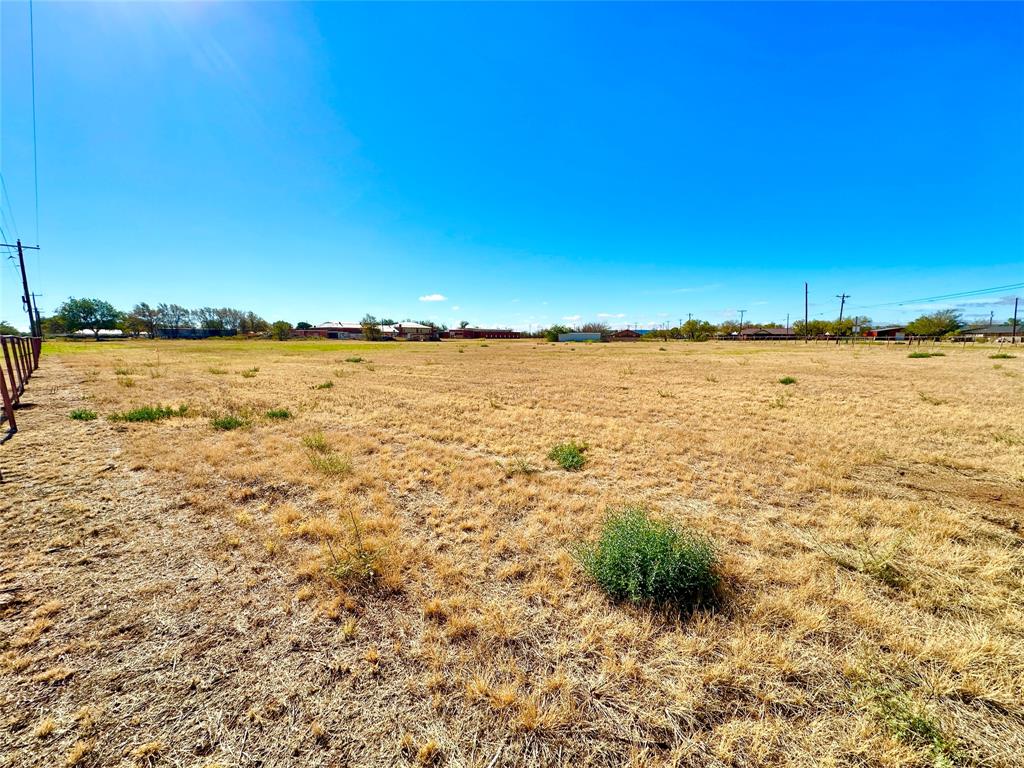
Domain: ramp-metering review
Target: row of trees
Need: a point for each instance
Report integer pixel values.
(941, 323)
(98, 315)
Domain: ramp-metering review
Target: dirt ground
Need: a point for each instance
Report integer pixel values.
(169, 595)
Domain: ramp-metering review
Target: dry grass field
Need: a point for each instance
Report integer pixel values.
(385, 574)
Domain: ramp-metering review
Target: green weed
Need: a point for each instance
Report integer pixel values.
(646, 561)
(82, 414)
(149, 413)
(569, 456)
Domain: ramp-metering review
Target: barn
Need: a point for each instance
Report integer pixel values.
(483, 333)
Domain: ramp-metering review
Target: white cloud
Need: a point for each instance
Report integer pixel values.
(617, 316)
(456, 308)
(571, 318)
(434, 297)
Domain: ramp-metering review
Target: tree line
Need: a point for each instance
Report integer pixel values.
(98, 315)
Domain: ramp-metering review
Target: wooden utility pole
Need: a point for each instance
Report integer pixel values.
(1013, 334)
(805, 315)
(26, 299)
(842, 303)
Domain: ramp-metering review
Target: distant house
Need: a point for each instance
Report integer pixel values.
(626, 334)
(332, 329)
(483, 333)
(416, 332)
(897, 332)
(991, 332)
(765, 334)
(579, 336)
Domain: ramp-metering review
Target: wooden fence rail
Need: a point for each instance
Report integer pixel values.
(21, 358)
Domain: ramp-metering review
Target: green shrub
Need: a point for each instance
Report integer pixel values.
(569, 456)
(787, 380)
(1001, 356)
(149, 413)
(82, 414)
(911, 723)
(926, 354)
(249, 373)
(324, 385)
(217, 371)
(278, 413)
(227, 422)
(646, 561)
(355, 359)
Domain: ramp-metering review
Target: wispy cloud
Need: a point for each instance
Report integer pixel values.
(571, 318)
(434, 297)
(456, 308)
(615, 316)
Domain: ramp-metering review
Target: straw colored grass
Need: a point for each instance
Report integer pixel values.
(388, 577)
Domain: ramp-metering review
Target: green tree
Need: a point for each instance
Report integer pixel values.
(95, 314)
(551, 334)
(463, 323)
(935, 324)
(6, 329)
(697, 330)
(132, 325)
(371, 328)
(303, 326)
(601, 328)
(281, 330)
(148, 315)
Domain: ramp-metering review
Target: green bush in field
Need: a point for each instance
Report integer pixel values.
(149, 413)
(82, 414)
(569, 456)
(278, 413)
(227, 422)
(787, 380)
(645, 561)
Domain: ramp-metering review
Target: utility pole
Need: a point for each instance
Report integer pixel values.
(805, 314)
(1013, 335)
(26, 299)
(842, 303)
(787, 323)
(991, 317)
(35, 308)
(742, 313)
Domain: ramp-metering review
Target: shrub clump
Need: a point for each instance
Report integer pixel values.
(1001, 356)
(149, 413)
(278, 413)
(82, 414)
(926, 354)
(227, 422)
(646, 561)
(355, 359)
(569, 456)
(324, 385)
(787, 380)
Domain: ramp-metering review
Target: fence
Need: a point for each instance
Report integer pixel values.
(21, 358)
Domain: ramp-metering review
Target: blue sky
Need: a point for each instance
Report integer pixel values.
(526, 162)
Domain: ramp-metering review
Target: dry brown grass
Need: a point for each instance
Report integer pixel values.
(182, 583)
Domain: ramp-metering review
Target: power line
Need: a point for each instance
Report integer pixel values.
(947, 296)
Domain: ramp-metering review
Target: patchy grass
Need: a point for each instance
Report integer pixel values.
(354, 359)
(1001, 356)
(316, 442)
(911, 723)
(517, 466)
(323, 385)
(569, 456)
(228, 422)
(218, 371)
(646, 561)
(787, 380)
(82, 414)
(278, 414)
(250, 373)
(331, 464)
(149, 413)
(921, 355)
